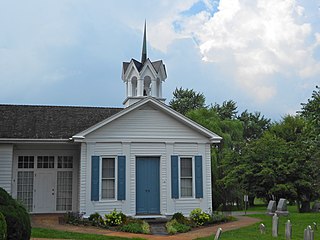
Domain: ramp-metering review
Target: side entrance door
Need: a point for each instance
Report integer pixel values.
(45, 194)
(148, 185)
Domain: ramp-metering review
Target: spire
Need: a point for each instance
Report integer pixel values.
(144, 45)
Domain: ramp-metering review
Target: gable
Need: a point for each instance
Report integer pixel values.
(146, 122)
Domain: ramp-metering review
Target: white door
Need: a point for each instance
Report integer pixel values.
(44, 192)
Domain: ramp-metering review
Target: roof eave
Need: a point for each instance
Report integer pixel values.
(33, 140)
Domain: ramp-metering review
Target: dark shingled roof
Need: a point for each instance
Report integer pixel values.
(156, 65)
(49, 122)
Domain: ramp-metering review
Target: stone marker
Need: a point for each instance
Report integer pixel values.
(282, 207)
(262, 228)
(308, 234)
(218, 234)
(275, 222)
(288, 232)
(315, 227)
(271, 208)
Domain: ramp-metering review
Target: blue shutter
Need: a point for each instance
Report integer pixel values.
(121, 177)
(199, 180)
(174, 177)
(95, 170)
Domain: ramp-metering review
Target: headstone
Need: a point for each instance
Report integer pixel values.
(308, 234)
(316, 207)
(271, 208)
(262, 228)
(315, 227)
(288, 232)
(275, 222)
(218, 234)
(282, 207)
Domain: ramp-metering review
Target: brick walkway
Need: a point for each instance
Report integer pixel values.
(51, 221)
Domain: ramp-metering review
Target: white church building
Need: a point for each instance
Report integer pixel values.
(144, 159)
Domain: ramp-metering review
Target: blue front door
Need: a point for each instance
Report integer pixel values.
(148, 185)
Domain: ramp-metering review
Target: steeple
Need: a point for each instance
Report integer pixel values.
(143, 79)
(144, 45)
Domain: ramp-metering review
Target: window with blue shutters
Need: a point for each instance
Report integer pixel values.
(186, 177)
(108, 178)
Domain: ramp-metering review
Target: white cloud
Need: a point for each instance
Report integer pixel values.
(257, 41)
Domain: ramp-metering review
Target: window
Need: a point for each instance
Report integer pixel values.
(65, 162)
(25, 189)
(45, 162)
(25, 162)
(186, 177)
(108, 178)
(64, 191)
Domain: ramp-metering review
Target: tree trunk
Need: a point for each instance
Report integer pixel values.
(251, 200)
(304, 207)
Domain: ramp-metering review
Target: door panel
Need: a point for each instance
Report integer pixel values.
(148, 185)
(44, 196)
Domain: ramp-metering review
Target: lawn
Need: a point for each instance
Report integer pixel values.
(299, 222)
(49, 233)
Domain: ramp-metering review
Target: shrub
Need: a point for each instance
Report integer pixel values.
(199, 217)
(115, 218)
(17, 217)
(96, 219)
(173, 226)
(136, 226)
(3, 227)
(179, 217)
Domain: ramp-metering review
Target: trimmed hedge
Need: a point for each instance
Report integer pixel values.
(17, 218)
(3, 227)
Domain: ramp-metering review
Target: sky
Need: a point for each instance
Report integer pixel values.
(262, 54)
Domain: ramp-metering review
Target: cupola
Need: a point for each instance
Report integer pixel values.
(143, 79)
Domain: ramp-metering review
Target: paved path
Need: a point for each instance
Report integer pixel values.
(51, 222)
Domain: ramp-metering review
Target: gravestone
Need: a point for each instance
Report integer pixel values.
(288, 232)
(262, 228)
(282, 207)
(271, 208)
(275, 223)
(316, 207)
(218, 234)
(315, 227)
(308, 234)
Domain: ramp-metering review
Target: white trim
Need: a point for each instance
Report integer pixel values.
(193, 177)
(115, 179)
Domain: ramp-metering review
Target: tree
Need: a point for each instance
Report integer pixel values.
(227, 110)
(185, 100)
(253, 125)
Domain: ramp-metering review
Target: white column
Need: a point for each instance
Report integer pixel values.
(140, 87)
(154, 88)
(160, 88)
(129, 88)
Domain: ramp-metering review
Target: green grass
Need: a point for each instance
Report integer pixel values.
(49, 233)
(299, 222)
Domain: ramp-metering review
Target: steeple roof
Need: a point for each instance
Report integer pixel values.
(144, 45)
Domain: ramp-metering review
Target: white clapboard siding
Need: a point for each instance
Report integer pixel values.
(114, 149)
(186, 148)
(6, 153)
(146, 124)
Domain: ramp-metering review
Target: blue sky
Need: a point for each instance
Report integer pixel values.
(263, 54)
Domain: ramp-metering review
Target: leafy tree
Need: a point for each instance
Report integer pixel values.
(185, 100)
(253, 125)
(228, 109)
